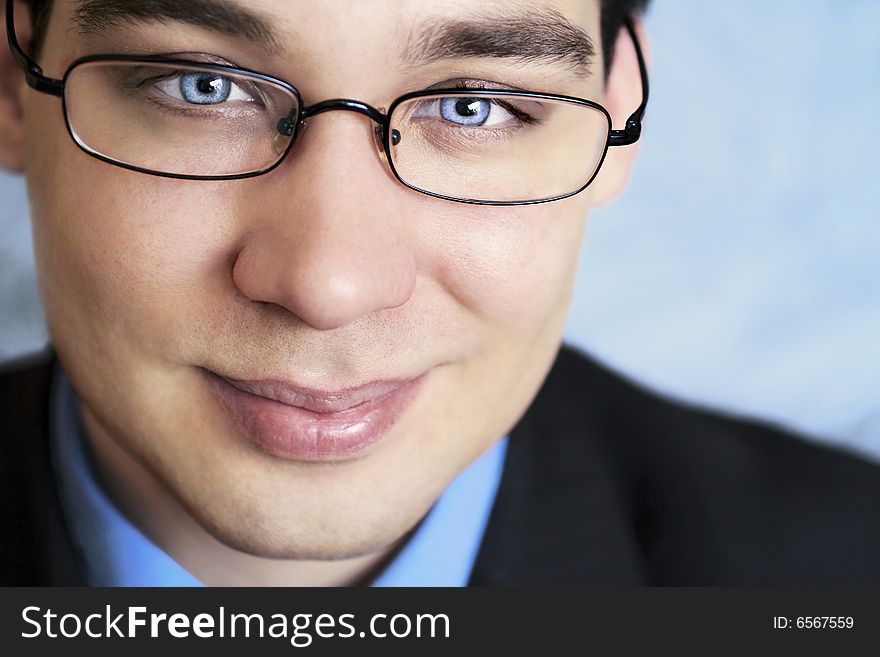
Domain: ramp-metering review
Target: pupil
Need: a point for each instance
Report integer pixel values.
(467, 107)
(208, 85)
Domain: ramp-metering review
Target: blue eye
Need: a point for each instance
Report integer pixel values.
(205, 88)
(466, 111)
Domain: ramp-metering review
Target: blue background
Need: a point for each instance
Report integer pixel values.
(742, 267)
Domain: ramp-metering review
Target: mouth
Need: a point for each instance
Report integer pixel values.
(298, 423)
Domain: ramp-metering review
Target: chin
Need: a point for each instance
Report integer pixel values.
(314, 547)
(349, 534)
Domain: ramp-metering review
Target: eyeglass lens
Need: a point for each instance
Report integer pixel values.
(497, 147)
(193, 122)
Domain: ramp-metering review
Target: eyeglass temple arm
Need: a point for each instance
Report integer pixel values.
(633, 130)
(33, 73)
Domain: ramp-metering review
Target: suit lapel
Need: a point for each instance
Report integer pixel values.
(559, 518)
(35, 545)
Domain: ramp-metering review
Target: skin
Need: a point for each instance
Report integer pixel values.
(144, 280)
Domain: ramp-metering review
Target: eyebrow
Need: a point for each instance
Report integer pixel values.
(525, 35)
(221, 16)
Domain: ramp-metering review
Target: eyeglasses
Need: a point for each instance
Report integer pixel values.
(193, 120)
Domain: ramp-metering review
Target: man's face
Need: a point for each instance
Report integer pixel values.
(324, 275)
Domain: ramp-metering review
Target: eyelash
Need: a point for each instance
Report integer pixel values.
(463, 83)
(173, 106)
(469, 84)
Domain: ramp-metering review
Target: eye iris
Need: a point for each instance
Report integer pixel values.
(205, 88)
(465, 111)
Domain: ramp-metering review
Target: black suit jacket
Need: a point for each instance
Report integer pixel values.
(604, 483)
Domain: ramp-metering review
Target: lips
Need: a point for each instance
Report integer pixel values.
(304, 424)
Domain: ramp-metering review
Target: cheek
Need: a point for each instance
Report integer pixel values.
(125, 253)
(512, 266)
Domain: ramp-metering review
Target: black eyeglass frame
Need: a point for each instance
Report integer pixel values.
(290, 125)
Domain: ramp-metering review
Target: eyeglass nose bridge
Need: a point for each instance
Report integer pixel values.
(345, 105)
(287, 125)
(293, 123)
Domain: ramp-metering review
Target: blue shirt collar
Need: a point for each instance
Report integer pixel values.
(441, 552)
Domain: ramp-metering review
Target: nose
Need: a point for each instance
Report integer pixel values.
(325, 242)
